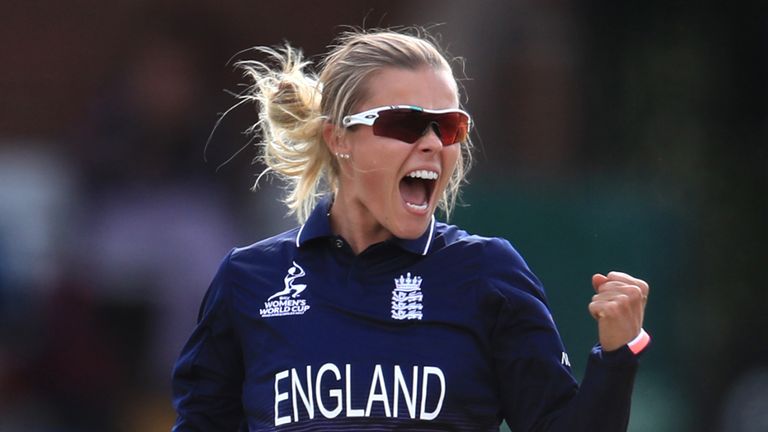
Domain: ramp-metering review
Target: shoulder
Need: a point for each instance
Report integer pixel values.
(493, 251)
(248, 274)
(259, 257)
(495, 259)
(276, 245)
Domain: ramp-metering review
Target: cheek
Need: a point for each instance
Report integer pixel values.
(377, 168)
(371, 182)
(375, 185)
(451, 158)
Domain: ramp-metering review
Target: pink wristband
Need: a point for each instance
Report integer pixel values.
(639, 343)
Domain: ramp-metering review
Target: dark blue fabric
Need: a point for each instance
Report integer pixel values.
(456, 339)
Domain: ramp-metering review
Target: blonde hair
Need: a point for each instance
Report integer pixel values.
(294, 104)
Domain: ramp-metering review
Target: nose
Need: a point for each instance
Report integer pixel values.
(430, 141)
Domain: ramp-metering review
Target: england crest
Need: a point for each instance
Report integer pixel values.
(407, 297)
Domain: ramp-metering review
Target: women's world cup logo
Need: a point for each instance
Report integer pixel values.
(407, 297)
(287, 301)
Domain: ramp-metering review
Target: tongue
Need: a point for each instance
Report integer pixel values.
(413, 191)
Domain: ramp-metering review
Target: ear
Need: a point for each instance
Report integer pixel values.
(333, 139)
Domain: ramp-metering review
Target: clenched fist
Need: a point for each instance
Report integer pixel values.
(618, 307)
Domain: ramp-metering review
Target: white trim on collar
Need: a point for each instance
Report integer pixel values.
(429, 239)
(298, 236)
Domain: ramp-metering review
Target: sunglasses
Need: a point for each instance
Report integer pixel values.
(409, 123)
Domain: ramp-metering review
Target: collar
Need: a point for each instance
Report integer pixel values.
(318, 225)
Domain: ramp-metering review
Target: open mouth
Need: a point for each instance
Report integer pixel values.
(416, 188)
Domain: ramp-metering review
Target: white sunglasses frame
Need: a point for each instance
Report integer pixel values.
(368, 117)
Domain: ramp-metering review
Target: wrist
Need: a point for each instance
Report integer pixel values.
(640, 342)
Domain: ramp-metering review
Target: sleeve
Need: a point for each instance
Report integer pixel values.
(208, 375)
(537, 389)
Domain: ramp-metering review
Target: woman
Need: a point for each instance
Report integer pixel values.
(371, 315)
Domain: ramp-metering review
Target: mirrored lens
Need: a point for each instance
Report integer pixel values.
(410, 125)
(452, 127)
(402, 124)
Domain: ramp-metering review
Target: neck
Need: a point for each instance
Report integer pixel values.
(352, 221)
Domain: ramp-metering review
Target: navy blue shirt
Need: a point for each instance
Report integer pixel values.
(447, 332)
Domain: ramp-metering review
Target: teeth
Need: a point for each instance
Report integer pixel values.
(417, 206)
(423, 174)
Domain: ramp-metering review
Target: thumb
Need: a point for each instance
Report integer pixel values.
(597, 280)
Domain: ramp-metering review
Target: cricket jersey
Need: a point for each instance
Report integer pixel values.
(446, 332)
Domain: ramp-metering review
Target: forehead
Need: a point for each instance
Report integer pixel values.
(427, 87)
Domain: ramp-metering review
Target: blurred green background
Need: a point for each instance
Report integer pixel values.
(610, 135)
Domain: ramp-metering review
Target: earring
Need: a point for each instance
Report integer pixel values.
(342, 155)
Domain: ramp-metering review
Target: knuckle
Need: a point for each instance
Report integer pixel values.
(643, 284)
(629, 279)
(610, 286)
(635, 293)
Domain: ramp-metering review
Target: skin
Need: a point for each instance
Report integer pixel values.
(368, 207)
(618, 307)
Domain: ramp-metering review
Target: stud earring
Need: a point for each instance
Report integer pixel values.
(342, 155)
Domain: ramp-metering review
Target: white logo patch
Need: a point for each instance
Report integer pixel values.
(287, 301)
(407, 297)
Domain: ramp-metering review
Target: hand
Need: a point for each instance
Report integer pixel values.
(618, 307)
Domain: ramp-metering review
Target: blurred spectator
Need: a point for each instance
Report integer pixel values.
(158, 221)
(38, 201)
(37, 227)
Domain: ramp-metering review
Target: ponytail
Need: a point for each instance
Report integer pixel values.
(290, 125)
